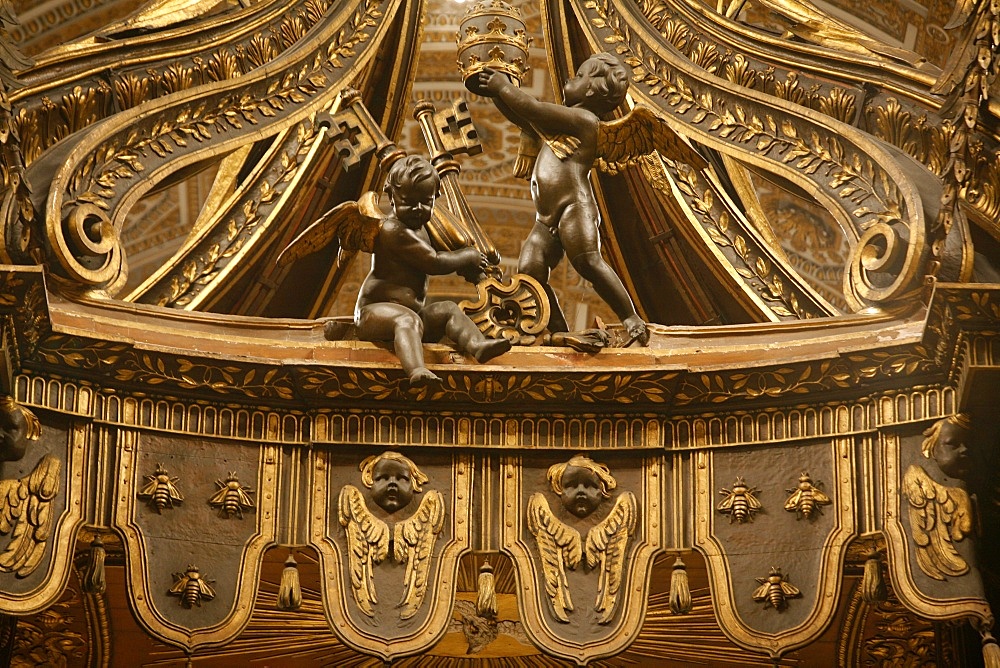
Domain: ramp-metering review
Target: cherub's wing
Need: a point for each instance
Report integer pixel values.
(26, 514)
(605, 550)
(939, 517)
(367, 545)
(353, 225)
(624, 140)
(413, 544)
(559, 547)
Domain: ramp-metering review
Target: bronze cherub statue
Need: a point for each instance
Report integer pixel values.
(392, 304)
(574, 138)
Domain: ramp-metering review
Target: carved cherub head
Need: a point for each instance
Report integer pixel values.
(600, 84)
(393, 480)
(412, 185)
(582, 483)
(947, 443)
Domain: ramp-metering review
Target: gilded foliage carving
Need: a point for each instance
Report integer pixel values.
(50, 638)
(26, 299)
(490, 388)
(760, 272)
(886, 219)
(125, 364)
(843, 373)
(931, 142)
(836, 102)
(201, 270)
(45, 122)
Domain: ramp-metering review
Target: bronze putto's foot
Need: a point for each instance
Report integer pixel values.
(424, 377)
(585, 341)
(487, 349)
(637, 330)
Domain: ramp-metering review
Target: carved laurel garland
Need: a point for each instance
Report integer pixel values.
(774, 286)
(199, 271)
(168, 373)
(45, 116)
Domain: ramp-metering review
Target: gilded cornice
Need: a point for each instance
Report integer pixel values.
(279, 380)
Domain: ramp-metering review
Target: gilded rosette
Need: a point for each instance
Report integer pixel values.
(492, 35)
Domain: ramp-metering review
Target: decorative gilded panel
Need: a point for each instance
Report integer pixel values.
(582, 534)
(775, 575)
(928, 522)
(390, 530)
(41, 508)
(192, 572)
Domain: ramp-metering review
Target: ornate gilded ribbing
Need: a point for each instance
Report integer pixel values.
(862, 185)
(114, 163)
(64, 94)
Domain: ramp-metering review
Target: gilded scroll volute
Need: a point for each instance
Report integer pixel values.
(868, 189)
(107, 167)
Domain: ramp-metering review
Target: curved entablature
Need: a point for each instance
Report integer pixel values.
(288, 365)
(865, 187)
(75, 85)
(98, 175)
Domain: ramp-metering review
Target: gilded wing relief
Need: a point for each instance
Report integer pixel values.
(940, 516)
(559, 547)
(642, 131)
(393, 479)
(367, 545)
(582, 484)
(605, 550)
(26, 514)
(413, 545)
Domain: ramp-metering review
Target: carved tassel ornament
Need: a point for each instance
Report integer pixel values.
(94, 580)
(289, 590)
(991, 650)
(680, 591)
(486, 603)
(872, 583)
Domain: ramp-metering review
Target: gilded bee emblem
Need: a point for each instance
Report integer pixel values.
(774, 590)
(232, 498)
(191, 587)
(740, 503)
(806, 498)
(160, 490)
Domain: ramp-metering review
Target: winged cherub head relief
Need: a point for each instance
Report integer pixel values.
(393, 480)
(947, 443)
(582, 484)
